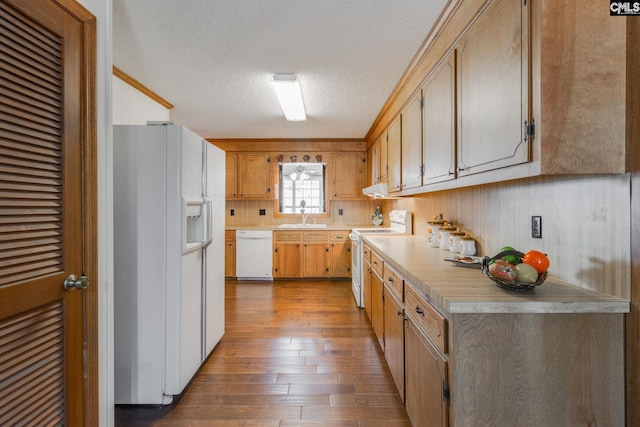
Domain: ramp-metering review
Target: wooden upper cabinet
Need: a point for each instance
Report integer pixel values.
(582, 108)
(231, 176)
(493, 89)
(349, 175)
(378, 160)
(373, 157)
(394, 137)
(411, 143)
(439, 123)
(384, 166)
(254, 172)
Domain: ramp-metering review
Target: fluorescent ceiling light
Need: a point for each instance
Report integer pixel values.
(287, 89)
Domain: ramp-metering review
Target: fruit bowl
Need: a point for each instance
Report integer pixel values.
(517, 286)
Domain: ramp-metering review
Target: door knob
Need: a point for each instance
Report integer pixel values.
(74, 282)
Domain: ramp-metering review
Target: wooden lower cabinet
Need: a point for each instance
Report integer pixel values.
(287, 260)
(366, 288)
(229, 253)
(426, 380)
(377, 307)
(394, 338)
(311, 254)
(503, 369)
(340, 259)
(315, 260)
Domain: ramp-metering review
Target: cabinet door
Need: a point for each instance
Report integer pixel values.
(377, 308)
(394, 136)
(439, 126)
(315, 260)
(411, 143)
(231, 176)
(287, 260)
(492, 90)
(349, 175)
(366, 289)
(229, 259)
(394, 338)
(426, 377)
(229, 253)
(383, 156)
(253, 176)
(340, 255)
(374, 163)
(378, 162)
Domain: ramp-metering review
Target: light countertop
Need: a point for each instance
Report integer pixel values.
(465, 290)
(330, 227)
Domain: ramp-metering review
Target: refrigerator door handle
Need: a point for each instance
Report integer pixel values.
(207, 224)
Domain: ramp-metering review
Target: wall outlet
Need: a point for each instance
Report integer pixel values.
(340, 211)
(232, 212)
(263, 212)
(536, 227)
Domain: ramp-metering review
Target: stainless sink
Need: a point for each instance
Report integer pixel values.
(302, 226)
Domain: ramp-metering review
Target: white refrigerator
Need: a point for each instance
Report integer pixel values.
(168, 193)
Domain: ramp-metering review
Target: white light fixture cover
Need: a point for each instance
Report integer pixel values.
(289, 94)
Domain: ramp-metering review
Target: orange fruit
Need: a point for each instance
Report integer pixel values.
(537, 260)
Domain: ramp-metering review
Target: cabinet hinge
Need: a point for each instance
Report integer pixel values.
(268, 159)
(422, 102)
(421, 170)
(445, 392)
(529, 129)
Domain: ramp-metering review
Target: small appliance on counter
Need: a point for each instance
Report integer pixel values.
(399, 223)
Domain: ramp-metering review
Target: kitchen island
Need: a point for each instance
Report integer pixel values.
(550, 356)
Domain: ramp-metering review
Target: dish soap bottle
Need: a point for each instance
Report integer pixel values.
(377, 217)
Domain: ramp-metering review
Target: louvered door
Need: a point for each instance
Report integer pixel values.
(41, 215)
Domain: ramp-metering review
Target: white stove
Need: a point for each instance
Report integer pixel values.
(400, 224)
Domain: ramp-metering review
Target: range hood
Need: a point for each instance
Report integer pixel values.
(377, 191)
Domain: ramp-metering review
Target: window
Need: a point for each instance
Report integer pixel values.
(302, 188)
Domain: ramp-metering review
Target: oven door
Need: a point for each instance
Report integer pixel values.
(356, 268)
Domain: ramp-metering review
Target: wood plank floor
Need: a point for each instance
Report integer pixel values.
(295, 353)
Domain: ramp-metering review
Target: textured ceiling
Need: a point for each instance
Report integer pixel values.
(213, 60)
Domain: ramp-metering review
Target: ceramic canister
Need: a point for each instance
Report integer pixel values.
(443, 236)
(433, 229)
(454, 240)
(467, 246)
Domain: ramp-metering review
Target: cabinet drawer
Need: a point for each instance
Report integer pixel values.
(394, 281)
(287, 236)
(366, 253)
(315, 236)
(376, 263)
(339, 236)
(430, 322)
(229, 235)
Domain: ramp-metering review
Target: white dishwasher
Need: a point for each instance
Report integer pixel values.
(254, 259)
